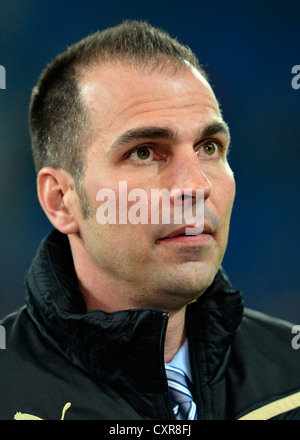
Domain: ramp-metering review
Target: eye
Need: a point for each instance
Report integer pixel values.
(143, 153)
(209, 148)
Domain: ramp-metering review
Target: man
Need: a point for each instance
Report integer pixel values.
(116, 308)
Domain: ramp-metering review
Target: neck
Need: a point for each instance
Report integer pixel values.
(176, 334)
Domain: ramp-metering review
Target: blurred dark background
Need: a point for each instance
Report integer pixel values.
(249, 49)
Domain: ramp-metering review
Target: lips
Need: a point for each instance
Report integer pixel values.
(182, 231)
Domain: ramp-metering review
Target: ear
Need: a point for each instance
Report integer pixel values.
(57, 196)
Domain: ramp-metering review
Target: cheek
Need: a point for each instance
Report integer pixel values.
(225, 190)
(231, 189)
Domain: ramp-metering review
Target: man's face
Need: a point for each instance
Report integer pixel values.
(155, 131)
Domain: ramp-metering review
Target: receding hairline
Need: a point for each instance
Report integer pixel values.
(83, 73)
(163, 63)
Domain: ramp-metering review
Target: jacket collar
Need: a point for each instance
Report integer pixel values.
(124, 348)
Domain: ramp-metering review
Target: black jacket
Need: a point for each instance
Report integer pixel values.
(60, 359)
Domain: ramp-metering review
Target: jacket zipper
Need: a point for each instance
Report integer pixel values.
(167, 399)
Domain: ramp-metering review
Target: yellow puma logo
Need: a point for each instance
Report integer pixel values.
(24, 416)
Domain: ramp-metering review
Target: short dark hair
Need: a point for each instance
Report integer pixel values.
(58, 119)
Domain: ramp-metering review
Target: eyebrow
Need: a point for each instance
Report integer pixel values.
(145, 132)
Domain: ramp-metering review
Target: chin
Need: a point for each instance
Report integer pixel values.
(192, 284)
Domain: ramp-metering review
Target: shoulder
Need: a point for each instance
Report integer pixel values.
(15, 326)
(33, 375)
(263, 354)
(259, 321)
(265, 367)
(19, 339)
(268, 335)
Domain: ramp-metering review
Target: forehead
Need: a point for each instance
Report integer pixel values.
(119, 97)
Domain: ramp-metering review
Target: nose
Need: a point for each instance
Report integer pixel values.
(185, 174)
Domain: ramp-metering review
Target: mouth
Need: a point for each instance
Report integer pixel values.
(188, 231)
(189, 235)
